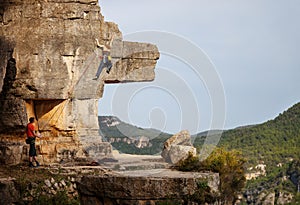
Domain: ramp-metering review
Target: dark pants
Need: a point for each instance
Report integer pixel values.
(104, 63)
(32, 149)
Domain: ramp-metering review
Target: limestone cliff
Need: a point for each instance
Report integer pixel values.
(48, 58)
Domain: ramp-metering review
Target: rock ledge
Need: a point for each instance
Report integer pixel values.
(144, 187)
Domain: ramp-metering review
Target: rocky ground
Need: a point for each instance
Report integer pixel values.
(65, 182)
(43, 185)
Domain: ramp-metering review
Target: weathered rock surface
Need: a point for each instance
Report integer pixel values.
(128, 162)
(50, 183)
(48, 59)
(8, 191)
(95, 185)
(178, 147)
(267, 199)
(284, 198)
(138, 189)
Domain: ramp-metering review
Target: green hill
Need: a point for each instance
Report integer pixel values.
(274, 144)
(275, 141)
(112, 127)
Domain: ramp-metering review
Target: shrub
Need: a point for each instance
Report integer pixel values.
(230, 166)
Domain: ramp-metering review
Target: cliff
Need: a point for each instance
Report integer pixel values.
(48, 60)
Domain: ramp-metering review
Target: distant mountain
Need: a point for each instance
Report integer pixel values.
(112, 126)
(275, 141)
(131, 139)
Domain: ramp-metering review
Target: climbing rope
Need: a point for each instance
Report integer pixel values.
(84, 71)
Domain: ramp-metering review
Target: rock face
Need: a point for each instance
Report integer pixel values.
(95, 185)
(48, 59)
(178, 147)
(9, 194)
(268, 197)
(158, 188)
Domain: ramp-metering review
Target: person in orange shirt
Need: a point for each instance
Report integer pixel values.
(32, 134)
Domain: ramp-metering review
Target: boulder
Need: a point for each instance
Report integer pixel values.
(8, 192)
(266, 198)
(180, 152)
(284, 198)
(178, 147)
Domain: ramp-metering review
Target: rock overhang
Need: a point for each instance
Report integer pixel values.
(48, 59)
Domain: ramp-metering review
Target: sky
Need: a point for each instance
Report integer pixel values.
(223, 64)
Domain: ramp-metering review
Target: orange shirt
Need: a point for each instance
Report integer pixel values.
(30, 130)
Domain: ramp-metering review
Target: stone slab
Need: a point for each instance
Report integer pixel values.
(145, 185)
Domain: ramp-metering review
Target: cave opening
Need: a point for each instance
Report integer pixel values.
(46, 112)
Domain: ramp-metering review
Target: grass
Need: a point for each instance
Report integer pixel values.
(30, 183)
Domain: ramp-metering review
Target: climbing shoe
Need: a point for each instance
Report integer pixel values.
(31, 164)
(37, 164)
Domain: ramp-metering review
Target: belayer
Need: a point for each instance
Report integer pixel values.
(31, 135)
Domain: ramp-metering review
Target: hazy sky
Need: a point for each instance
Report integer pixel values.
(252, 45)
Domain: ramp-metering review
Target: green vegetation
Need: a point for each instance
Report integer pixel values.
(275, 143)
(31, 186)
(111, 126)
(58, 199)
(230, 166)
(155, 148)
(124, 130)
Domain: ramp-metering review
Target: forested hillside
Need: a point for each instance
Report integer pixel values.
(275, 141)
(273, 146)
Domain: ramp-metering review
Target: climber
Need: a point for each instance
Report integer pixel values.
(32, 134)
(106, 58)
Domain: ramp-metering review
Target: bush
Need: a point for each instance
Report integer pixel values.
(230, 166)
(58, 199)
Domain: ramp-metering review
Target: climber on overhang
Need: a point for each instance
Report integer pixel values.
(106, 58)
